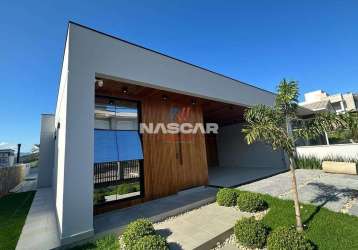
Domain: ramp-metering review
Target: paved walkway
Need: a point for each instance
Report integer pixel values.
(201, 228)
(40, 229)
(155, 210)
(234, 176)
(29, 184)
(337, 192)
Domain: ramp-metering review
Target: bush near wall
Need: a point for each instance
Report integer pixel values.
(315, 163)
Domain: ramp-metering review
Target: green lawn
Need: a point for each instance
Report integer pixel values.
(13, 212)
(326, 229)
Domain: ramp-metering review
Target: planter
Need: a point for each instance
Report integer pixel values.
(339, 167)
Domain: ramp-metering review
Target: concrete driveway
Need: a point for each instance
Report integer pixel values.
(336, 192)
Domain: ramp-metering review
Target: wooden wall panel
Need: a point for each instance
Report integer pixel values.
(164, 170)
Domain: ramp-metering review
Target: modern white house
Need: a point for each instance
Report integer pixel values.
(93, 154)
(7, 157)
(318, 101)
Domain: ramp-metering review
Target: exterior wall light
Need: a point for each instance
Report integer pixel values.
(99, 83)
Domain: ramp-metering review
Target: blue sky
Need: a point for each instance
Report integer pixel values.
(259, 42)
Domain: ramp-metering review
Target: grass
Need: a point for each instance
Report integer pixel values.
(109, 242)
(326, 229)
(13, 212)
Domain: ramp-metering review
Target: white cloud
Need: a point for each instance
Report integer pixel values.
(6, 145)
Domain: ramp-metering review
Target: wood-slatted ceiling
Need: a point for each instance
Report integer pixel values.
(213, 111)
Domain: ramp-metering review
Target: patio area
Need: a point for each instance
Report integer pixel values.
(235, 176)
(336, 192)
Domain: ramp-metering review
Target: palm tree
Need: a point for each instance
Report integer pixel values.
(351, 120)
(273, 125)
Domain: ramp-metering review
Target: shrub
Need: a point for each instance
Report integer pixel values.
(283, 238)
(98, 197)
(127, 188)
(226, 197)
(308, 163)
(151, 242)
(136, 230)
(251, 233)
(251, 202)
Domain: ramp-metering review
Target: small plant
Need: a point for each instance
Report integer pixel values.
(98, 197)
(311, 162)
(251, 233)
(151, 242)
(109, 242)
(284, 238)
(308, 163)
(251, 202)
(127, 188)
(226, 197)
(136, 230)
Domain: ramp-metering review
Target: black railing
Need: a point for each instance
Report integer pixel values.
(115, 173)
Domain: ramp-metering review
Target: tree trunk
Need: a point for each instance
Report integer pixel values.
(292, 156)
(295, 195)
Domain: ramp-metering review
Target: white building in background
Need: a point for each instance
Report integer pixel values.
(7, 157)
(319, 100)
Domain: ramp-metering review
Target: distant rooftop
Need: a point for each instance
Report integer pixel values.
(5, 150)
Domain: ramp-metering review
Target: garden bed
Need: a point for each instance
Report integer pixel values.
(324, 228)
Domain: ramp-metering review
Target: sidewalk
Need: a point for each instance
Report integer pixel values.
(201, 228)
(40, 229)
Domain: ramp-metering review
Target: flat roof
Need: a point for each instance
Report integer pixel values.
(162, 54)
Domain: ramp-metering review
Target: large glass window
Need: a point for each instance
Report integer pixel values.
(116, 114)
(117, 151)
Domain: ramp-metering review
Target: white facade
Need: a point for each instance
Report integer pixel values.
(89, 54)
(339, 103)
(346, 151)
(47, 150)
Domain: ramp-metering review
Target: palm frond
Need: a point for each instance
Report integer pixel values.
(287, 97)
(265, 124)
(322, 122)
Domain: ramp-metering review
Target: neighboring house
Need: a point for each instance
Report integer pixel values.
(93, 154)
(318, 101)
(7, 157)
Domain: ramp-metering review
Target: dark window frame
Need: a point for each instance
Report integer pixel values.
(110, 204)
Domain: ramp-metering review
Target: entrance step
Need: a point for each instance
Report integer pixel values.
(155, 210)
(201, 228)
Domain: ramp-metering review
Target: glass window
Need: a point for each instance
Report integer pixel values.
(116, 114)
(117, 151)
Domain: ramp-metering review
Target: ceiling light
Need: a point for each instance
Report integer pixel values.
(99, 83)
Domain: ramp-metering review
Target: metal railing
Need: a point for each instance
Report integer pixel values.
(115, 173)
